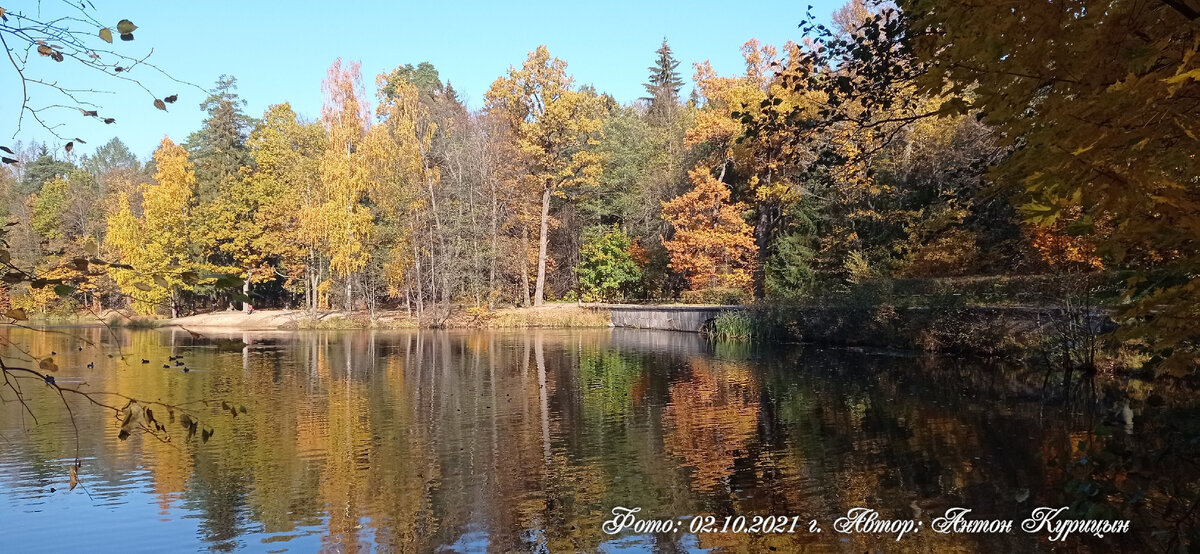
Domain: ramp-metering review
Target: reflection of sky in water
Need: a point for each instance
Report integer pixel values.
(484, 442)
(633, 544)
(125, 515)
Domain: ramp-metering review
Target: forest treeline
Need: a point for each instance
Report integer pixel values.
(924, 141)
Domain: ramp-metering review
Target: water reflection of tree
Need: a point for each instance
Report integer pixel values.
(891, 437)
(408, 442)
(711, 419)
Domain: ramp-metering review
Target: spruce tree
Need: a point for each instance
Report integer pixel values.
(219, 148)
(664, 85)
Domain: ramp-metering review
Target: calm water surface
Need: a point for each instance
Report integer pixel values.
(513, 441)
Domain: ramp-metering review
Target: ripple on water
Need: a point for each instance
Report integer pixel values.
(502, 441)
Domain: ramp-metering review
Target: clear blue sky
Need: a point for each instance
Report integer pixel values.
(280, 51)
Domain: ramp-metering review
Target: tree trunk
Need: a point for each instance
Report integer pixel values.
(539, 292)
(433, 269)
(408, 300)
(525, 271)
(494, 254)
(246, 293)
(417, 275)
(317, 287)
(310, 274)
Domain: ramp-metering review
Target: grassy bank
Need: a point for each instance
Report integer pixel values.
(555, 316)
(560, 316)
(1061, 324)
(112, 319)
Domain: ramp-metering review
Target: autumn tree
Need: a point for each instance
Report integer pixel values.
(1064, 248)
(48, 208)
(712, 246)
(347, 218)
(862, 159)
(492, 189)
(467, 162)
(767, 170)
(1097, 100)
(116, 173)
(115, 168)
(404, 180)
(160, 248)
(553, 128)
(449, 189)
(851, 17)
(64, 215)
(269, 212)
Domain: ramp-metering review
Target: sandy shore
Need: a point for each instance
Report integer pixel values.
(259, 320)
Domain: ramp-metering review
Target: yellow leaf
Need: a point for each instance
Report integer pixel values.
(106, 35)
(74, 477)
(1181, 77)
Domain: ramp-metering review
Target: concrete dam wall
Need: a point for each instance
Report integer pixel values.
(665, 317)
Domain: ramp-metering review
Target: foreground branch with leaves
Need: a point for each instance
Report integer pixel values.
(71, 32)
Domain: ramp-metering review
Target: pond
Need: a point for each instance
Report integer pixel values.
(470, 441)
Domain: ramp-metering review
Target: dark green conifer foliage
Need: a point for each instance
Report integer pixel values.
(664, 85)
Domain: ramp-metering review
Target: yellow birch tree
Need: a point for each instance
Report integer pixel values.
(157, 247)
(347, 220)
(553, 128)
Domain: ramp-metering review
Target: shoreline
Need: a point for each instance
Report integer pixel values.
(562, 316)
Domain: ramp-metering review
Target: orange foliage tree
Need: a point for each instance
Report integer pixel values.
(713, 246)
(1062, 246)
